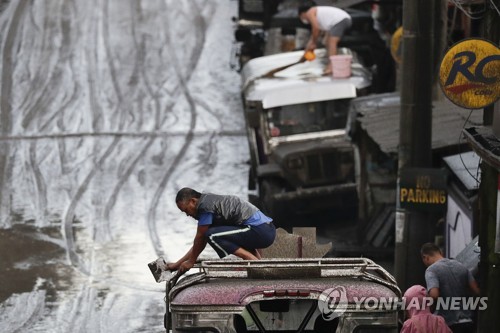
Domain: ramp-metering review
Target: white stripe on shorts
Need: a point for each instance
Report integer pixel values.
(224, 233)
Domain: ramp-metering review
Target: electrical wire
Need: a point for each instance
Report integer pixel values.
(492, 3)
(476, 178)
(472, 15)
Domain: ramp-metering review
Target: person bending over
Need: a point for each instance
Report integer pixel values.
(229, 224)
(333, 21)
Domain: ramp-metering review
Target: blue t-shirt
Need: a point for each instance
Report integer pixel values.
(257, 218)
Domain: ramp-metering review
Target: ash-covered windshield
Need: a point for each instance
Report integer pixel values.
(283, 315)
(307, 118)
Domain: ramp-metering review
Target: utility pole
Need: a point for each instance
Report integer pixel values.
(415, 228)
(489, 265)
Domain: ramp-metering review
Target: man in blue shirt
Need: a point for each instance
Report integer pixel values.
(229, 224)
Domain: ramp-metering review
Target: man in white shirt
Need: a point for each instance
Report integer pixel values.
(333, 21)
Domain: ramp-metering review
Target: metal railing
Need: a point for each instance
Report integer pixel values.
(300, 267)
(289, 268)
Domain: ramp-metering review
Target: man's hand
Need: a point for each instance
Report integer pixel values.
(311, 45)
(172, 266)
(308, 56)
(186, 266)
(434, 293)
(474, 288)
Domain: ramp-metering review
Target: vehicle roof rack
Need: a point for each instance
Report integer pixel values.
(290, 268)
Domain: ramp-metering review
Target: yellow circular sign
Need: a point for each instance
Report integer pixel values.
(470, 73)
(396, 49)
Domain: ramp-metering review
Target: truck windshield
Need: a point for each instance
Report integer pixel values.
(307, 118)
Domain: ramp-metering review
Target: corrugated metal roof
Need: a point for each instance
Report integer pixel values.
(379, 116)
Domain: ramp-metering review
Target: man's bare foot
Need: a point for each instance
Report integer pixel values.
(244, 254)
(256, 253)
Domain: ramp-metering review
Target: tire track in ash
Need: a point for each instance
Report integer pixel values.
(69, 216)
(37, 100)
(58, 117)
(97, 117)
(50, 73)
(96, 114)
(36, 81)
(123, 177)
(140, 63)
(200, 25)
(40, 186)
(207, 157)
(6, 106)
(153, 95)
(64, 53)
(91, 56)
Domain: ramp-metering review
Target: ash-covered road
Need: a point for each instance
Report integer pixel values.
(107, 108)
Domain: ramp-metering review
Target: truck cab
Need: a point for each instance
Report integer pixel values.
(301, 158)
(284, 295)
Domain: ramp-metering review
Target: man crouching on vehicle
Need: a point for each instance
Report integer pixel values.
(229, 224)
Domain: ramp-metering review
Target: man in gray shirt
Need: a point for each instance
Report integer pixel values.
(446, 280)
(226, 222)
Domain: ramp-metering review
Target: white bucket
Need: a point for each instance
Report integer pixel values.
(341, 65)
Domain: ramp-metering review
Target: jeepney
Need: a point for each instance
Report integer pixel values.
(284, 295)
(302, 161)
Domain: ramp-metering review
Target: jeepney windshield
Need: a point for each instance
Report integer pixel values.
(307, 118)
(284, 315)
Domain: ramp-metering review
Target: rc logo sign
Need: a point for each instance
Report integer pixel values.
(332, 303)
(470, 73)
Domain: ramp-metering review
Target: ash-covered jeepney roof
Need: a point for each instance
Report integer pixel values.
(237, 282)
(238, 292)
(300, 83)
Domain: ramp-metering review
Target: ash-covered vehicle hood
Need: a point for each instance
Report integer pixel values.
(300, 83)
(314, 144)
(317, 162)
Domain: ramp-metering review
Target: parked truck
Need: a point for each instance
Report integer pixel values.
(302, 162)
